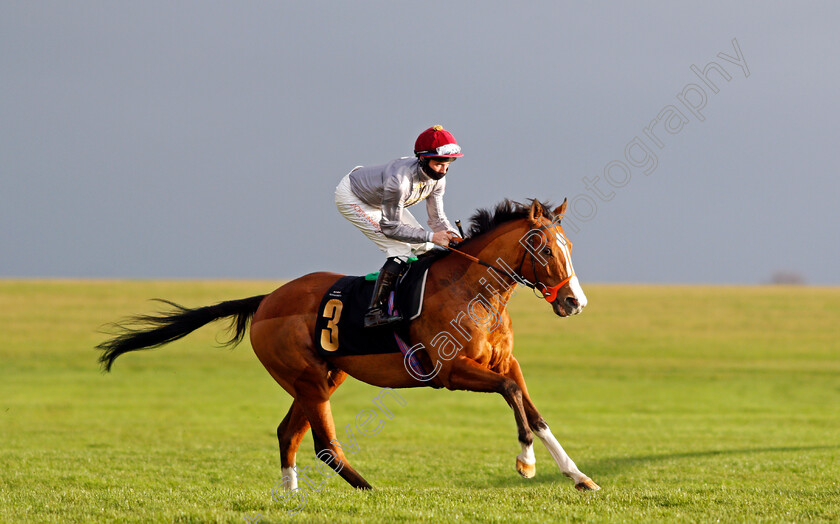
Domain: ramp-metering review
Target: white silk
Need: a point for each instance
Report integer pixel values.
(367, 218)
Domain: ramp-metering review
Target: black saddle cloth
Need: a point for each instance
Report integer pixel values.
(339, 329)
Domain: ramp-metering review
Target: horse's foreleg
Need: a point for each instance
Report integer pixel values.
(566, 464)
(540, 427)
(468, 374)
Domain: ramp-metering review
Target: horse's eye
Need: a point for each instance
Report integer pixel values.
(547, 252)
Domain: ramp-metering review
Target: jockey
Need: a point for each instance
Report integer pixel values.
(374, 200)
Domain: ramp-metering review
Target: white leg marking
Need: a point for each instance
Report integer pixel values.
(289, 478)
(527, 455)
(526, 462)
(566, 464)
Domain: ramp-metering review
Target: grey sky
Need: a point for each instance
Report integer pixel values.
(205, 139)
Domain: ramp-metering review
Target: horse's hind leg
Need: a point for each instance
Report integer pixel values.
(317, 410)
(291, 431)
(289, 434)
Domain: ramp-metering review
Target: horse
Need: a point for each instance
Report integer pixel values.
(470, 350)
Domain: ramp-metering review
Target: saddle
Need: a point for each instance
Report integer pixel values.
(339, 328)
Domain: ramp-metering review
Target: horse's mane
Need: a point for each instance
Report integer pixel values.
(485, 220)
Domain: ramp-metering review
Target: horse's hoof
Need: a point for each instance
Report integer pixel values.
(526, 470)
(587, 485)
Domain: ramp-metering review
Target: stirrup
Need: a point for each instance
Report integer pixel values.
(376, 317)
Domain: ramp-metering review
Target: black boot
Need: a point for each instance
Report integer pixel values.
(377, 314)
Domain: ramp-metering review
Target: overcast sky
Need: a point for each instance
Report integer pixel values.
(205, 139)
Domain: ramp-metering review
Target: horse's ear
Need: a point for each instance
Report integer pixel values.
(536, 211)
(561, 209)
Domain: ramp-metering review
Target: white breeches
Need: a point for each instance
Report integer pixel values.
(367, 218)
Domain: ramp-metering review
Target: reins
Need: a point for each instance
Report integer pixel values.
(549, 293)
(501, 272)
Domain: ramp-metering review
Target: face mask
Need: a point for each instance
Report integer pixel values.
(431, 173)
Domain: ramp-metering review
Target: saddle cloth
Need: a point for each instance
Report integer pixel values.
(339, 329)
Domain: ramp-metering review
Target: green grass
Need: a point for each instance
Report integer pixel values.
(688, 404)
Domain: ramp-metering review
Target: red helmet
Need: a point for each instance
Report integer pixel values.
(437, 141)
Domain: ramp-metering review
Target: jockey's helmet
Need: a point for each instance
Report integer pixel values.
(437, 142)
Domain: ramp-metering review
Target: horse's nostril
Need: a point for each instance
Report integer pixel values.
(572, 301)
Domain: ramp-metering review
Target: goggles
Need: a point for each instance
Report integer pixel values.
(446, 149)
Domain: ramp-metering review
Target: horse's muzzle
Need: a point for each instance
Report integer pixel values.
(567, 306)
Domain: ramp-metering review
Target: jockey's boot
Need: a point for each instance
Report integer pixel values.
(377, 314)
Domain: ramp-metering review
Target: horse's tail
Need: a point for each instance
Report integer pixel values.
(151, 331)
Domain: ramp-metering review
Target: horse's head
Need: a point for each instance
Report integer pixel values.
(542, 255)
(550, 253)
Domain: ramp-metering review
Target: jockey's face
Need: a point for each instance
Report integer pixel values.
(440, 164)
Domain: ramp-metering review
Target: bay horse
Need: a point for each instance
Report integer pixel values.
(472, 352)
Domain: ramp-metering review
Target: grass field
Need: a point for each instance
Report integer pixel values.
(684, 403)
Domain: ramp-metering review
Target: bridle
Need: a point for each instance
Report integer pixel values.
(549, 293)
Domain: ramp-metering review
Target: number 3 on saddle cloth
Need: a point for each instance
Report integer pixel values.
(340, 331)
